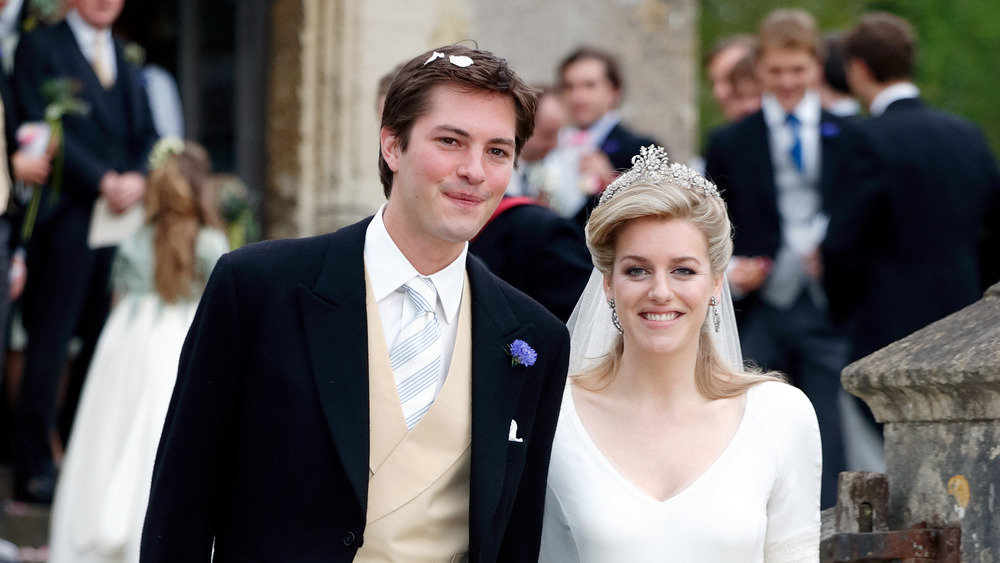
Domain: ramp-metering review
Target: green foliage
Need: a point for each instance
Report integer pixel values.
(958, 64)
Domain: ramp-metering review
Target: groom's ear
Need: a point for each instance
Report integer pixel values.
(389, 142)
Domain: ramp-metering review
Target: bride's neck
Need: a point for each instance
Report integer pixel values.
(661, 379)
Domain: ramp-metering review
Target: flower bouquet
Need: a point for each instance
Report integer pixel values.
(236, 208)
(39, 137)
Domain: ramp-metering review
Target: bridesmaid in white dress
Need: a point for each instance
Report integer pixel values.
(665, 450)
(159, 273)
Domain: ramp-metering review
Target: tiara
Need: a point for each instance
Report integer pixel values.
(164, 149)
(652, 165)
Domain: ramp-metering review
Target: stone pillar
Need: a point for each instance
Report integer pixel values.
(327, 57)
(938, 393)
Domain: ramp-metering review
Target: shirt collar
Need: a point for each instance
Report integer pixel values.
(389, 269)
(601, 128)
(807, 110)
(85, 33)
(898, 91)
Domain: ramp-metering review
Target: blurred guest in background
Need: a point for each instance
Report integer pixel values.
(536, 176)
(720, 61)
(780, 170)
(105, 158)
(159, 275)
(596, 145)
(924, 241)
(745, 94)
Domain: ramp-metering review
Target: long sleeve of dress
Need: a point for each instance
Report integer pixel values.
(793, 527)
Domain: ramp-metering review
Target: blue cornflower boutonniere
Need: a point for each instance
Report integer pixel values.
(829, 129)
(522, 354)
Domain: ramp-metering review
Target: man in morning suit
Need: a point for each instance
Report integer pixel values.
(780, 169)
(598, 145)
(296, 431)
(924, 242)
(105, 156)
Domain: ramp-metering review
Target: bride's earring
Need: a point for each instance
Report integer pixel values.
(716, 320)
(614, 316)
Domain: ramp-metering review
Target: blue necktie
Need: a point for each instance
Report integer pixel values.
(794, 125)
(416, 355)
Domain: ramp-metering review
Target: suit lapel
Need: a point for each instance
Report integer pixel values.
(496, 387)
(830, 155)
(759, 156)
(332, 313)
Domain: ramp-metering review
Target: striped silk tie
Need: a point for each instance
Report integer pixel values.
(416, 355)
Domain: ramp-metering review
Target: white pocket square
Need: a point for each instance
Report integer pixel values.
(512, 435)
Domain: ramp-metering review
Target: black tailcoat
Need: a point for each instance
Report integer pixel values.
(265, 450)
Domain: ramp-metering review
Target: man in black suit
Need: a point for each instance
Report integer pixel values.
(922, 242)
(597, 145)
(286, 434)
(105, 156)
(780, 169)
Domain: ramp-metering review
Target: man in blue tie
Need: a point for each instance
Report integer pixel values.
(780, 169)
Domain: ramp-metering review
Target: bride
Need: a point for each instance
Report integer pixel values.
(666, 449)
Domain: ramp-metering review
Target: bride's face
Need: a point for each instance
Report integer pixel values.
(661, 283)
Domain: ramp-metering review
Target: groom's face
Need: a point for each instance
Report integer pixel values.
(454, 171)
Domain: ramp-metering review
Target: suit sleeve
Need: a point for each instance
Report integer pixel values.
(522, 538)
(195, 450)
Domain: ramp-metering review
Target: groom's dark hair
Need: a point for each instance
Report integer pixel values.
(409, 94)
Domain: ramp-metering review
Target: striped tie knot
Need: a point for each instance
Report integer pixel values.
(416, 356)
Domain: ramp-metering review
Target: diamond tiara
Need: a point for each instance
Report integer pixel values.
(652, 166)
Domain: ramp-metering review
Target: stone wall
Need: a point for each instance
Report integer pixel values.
(327, 57)
(938, 393)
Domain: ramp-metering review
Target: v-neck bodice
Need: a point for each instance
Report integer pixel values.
(573, 417)
(760, 494)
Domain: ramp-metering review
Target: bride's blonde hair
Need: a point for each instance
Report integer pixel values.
(665, 200)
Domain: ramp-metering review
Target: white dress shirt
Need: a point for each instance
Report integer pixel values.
(10, 18)
(898, 91)
(85, 35)
(803, 226)
(388, 270)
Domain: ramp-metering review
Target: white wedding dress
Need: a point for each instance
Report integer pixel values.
(757, 502)
(104, 481)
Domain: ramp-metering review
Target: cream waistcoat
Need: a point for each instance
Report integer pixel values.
(418, 489)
